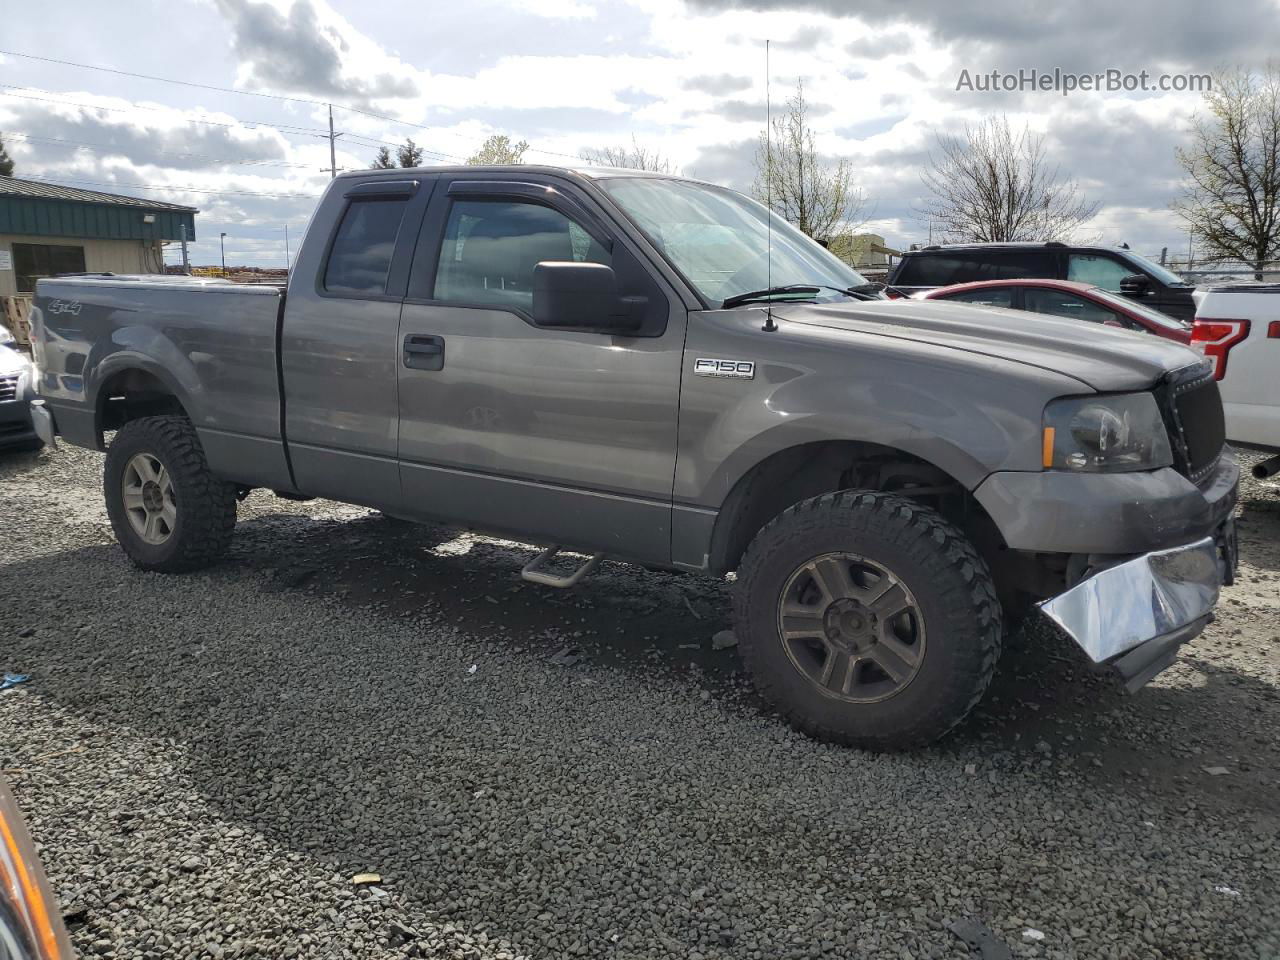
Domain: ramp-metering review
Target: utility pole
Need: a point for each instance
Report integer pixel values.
(222, 245)
(286, 247)
(186, 263)
(333, 155)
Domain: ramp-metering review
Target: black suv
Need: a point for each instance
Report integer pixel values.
(1112, 268)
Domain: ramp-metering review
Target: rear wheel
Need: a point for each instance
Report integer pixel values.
(168, 511)
(867, 619)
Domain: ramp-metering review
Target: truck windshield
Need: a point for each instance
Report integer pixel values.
(718, 240)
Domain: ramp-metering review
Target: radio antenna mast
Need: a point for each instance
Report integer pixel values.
(769, 325)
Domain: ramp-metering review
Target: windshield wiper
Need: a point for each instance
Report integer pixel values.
(866, 291)
(740, 298)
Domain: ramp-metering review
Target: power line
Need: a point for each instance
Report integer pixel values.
(265, 95)
(108, 147)
(297, 131)
(286, 129)
(148, 76)
(175, 188)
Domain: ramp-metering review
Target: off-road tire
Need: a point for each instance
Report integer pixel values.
(205, 505)
(954, 594)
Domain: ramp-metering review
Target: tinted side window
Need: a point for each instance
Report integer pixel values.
(939, 270)
(1102, 272)
(998, 297)
(491, 247)
(1022, 265)
(1061, 304)
(366, 240)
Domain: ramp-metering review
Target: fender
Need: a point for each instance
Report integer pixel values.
(145, 349)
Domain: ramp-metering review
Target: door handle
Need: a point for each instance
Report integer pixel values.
(424, 352)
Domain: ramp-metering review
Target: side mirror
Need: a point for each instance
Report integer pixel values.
(1134, 285)
(582, 295)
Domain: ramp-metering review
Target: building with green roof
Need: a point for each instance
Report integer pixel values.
(48, 229)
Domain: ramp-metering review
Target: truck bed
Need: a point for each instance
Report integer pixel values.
(212, 343)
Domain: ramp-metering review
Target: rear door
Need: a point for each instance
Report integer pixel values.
(340, 341)
(565, 436)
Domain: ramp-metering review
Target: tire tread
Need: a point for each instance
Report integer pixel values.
(973, 596)
(207, 504)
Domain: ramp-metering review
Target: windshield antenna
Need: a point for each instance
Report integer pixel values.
(769, 325)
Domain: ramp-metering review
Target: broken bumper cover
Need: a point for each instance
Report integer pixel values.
(1136, 614)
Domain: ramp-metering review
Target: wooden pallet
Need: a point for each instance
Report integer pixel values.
(15, 311)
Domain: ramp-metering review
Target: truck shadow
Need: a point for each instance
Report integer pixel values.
(1046, 707)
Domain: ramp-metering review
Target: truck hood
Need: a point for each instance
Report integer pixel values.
(1104, 358)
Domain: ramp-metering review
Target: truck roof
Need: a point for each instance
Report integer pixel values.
(594, 173)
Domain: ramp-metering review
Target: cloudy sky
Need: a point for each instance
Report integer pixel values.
(684, 76)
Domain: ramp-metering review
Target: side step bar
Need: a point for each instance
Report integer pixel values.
(533, 570)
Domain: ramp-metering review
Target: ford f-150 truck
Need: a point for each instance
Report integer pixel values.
(637, 367)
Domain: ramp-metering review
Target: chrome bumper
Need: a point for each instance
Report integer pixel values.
(42, 422)
(1138, 613)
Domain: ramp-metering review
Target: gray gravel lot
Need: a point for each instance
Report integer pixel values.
(206, 761)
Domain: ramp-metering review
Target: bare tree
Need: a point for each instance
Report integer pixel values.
(382, 160)
(995, 184)
(1232, 205)
(6, 162)
(409, 154)
(499, 149)
(634, 157)
(816, 195)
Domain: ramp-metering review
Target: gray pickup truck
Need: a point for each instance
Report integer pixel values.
(634, 366)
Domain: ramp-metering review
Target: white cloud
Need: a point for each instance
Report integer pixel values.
(563, 10)
(688, 81)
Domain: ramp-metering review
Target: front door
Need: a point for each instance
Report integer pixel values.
(549, 434)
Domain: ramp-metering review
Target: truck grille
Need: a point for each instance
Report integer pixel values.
(8, 387)
(1197, 429)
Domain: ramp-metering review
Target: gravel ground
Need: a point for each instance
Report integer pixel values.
(207, 761)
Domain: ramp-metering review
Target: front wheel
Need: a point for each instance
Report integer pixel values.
(867, 619)
(168, 511)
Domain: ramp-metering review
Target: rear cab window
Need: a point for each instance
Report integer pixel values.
(360, 256)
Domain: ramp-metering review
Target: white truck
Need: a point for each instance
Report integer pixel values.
(1238, 328)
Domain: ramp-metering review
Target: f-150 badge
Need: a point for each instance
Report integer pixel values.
(738, 369)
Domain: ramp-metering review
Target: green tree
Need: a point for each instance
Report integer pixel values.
(382, 160)
(409, 154)
(1232, 204)
(499, 149)
(6, 162)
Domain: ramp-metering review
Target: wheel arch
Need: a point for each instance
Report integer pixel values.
(794, 473)
(130, 387)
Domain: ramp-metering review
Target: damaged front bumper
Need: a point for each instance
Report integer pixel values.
(1136, 614)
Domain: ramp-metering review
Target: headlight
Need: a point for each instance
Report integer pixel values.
(1105, 434)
